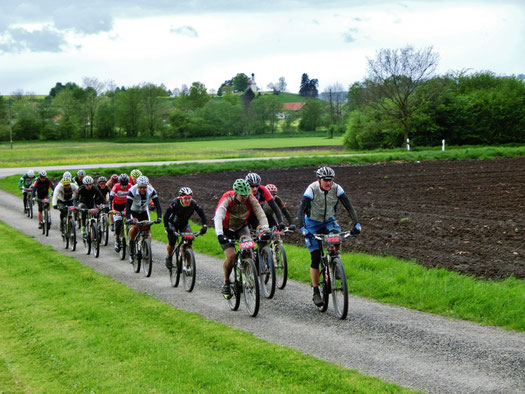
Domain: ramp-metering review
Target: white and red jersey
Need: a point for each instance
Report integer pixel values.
(119, 193)
(232, 214)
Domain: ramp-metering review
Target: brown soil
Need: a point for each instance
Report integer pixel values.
(466, 216)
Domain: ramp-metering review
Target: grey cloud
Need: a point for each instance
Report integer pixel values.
(187, 31)
(84, 20)
(44, 40)
(349, 35)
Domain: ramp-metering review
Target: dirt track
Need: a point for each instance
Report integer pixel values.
(466, 216)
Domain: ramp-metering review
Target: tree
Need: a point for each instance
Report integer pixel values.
(240, 82)
(308, 86)
(129, 110)
(393, 77)
(93, 88)
(266, 109)
(311, 115)
(105, 119)
(278, 87)
(198, 96)
(151, 105)
(336, 98)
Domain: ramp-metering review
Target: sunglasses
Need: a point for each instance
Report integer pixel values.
(142, 187)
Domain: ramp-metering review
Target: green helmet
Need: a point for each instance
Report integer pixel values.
(242, 187)
(135, 173)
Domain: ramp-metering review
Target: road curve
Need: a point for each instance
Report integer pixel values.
(413, 349)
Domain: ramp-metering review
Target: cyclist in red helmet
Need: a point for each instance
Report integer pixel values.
(280, 203)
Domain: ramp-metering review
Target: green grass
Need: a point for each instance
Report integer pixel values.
(406, 283)
(65, 328)
(38, 154)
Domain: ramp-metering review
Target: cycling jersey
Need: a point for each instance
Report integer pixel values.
(232, 214)
(89, 197)
(104, 192)
(138, 203)
(78, 181)
(61, 194)
(26, 182)
(178, 215)
(41, 188)
(119, 193)
(262, 195)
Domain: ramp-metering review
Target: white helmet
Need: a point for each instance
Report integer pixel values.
(42, 173)
(66, 175)
(142, 180)
(87, 180)
(30, 174)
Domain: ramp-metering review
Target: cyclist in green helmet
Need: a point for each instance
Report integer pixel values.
(231, 214)
(133, 175)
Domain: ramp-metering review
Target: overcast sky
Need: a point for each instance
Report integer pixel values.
(177, 42)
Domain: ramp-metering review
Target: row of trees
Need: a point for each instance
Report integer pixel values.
(401, 99)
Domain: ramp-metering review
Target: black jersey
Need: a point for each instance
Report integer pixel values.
(178, 215)
(41, 188)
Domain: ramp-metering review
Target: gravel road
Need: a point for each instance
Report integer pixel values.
(413, 349)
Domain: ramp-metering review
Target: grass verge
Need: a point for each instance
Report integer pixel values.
(395, 281)
(66, 328)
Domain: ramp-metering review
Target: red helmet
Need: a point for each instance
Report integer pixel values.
(271, 188)
(114, 178)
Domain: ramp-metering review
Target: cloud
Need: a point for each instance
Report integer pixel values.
(85, 20)
(187, 31)
(19, 40)
(349, 35)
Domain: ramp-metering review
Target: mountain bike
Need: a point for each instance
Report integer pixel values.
(143, 255)
(184, 261)
(28, 207)
(69, 236)
(264, 263)
(123, 234)
(91, 237)
(279, 256)
(332, 278)
(46, 216)
(103, 224)
(245, 280)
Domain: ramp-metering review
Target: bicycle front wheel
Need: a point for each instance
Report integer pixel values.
(123, 246)
(86, 238)
(147, 258)
(137, 257)
(30, 210)
(235, 300)
(104, 226)
(72, 234)
(65, 233)
(267, 272)
(281, 266)
(95, 240)
(188, 270)
(324, 289)
(250, 287)
(339, 288)
(175, 269)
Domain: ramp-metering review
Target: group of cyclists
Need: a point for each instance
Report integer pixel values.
(249, 205)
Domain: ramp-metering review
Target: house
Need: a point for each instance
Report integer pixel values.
(287, 107)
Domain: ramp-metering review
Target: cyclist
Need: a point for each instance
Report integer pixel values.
(262, 195)
(87, 196)
(231, 222)
(176, 219)
(316, 215)
(64, 196)
(280, 203)
(80, 177)
(117, 200)
(112, 181)
(133, 175)
(41, 190)
(137, 208)
(25, 184)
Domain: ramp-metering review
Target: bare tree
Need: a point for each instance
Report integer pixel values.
(336, 97)
(93, 88)
(393, 77)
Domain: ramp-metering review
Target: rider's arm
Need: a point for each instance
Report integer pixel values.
(259, 212)
(157, 206)
(276, 210)
(220, 212)
(349, 207)
(21, 182)
(303, 208)
(129, 203)
(59, 190)
(166, 217)
(202, 215)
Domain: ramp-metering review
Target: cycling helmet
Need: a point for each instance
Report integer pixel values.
(142, 180)
(242, 187)
(81, 173)
(66, 180)
(253, 179)
(87, 180)
(42, 173)
(135, 173)
(123, 179)
(185, 191)
(102, 179)
(30, 174)
(114, 178)
(325, 173)
(67, 174)
(271, 188)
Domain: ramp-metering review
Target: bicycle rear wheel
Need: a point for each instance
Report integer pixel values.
(235, 300)
(339, 288)
(324, 289)
(123, 246)
(104, 225)
(137, 258)
(86, 239)
(65, 233)
(188, 270)
(147, 258)
(95, 239)
(281, 266)
(267, 272)
(175, 269)
(250, 287)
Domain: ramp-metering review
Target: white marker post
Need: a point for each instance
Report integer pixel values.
(443, 147)
(408, 143)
